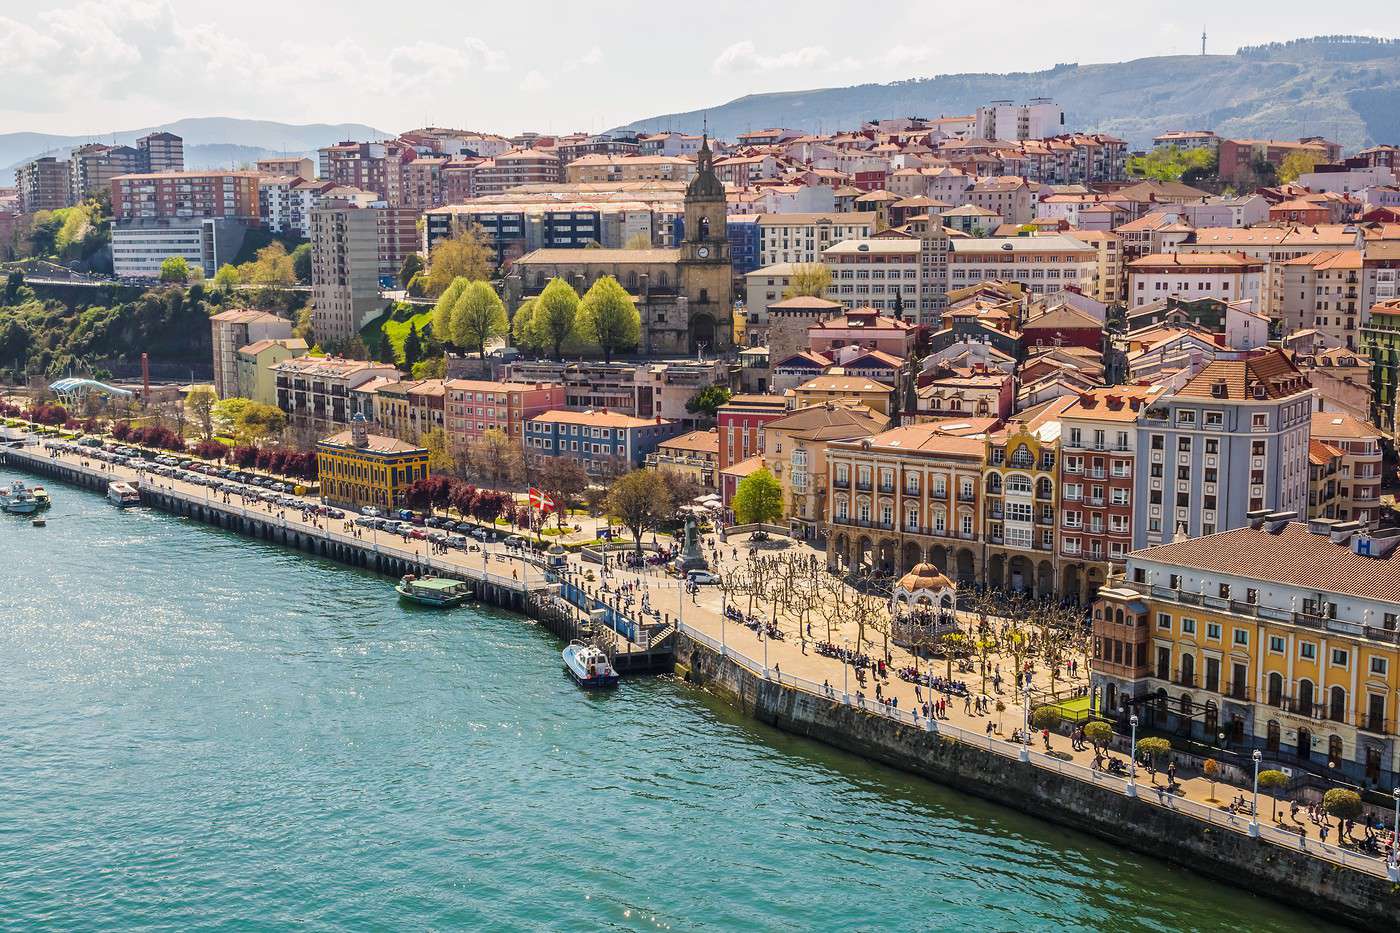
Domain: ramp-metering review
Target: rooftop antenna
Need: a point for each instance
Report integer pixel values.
(1203, 40)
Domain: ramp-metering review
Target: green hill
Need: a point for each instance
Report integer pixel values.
(1344, 87)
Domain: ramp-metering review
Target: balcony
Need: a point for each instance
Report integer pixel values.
(1371, 723)
(1237, 691)
(1186, 679)
(863, 486)
(841, 482)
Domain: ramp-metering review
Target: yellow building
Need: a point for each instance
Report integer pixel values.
(874, 395)
(1282, 636)
(255, 379)
(359, 469)
(695, 454)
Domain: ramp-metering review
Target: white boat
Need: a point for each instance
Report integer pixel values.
(589, 666)
(123, 494)
(18, 500)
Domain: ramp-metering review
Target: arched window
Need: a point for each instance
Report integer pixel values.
(1334, 750)
(539, 280)
(1044, 489)
(994, 484)
(663, 278)
(1186, 704)
(1275, 689)
(1022, 457)
(632, 280)
(1337, 708)
(1212, 719)
(1271, 743)
(1118, 616)
(704, 228)
(704, 296)
(1188, 669)
(1305, 697)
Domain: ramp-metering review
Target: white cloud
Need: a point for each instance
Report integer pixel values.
(137, 55)
(743, 57)
(534, 82)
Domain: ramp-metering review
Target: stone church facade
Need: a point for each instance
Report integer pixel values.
(685, 295)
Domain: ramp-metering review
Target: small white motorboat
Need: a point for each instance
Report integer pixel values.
(589, 666)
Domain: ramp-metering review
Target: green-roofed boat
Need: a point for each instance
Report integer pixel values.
(438, 592)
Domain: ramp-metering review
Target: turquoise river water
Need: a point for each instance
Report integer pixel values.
(202, 732)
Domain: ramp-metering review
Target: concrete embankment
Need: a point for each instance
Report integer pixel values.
(1313, 884)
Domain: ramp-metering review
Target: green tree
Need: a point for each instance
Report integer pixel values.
(808, 280)
(1271, 780)
(638, 241)
(637, 501)
(432, 368)
(301, 263)
(442, 311)
(1298, 162)
(1098, 733)
(478, 316)
(201, 401)
(759, 498)
(412, 347)
(175, 269)
(1344, 805)
(226, 277)
(1170, 163)
(412, 265)
(708, 400)
(522, 328)
(608, 317)
(1046, 717)
(555, 312)
(465, 255)
(440, 458)
(1155, 749)
(247, 421)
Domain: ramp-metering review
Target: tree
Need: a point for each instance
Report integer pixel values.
(1211, 769)
(301, 263)
(759, 499)
(1298, 162)
(175, 269)
(1154, 749)
(808, 280)
(1099, 734)
(431, 368)
(1344, 805)
(554, 313)
(272, 267)
(201, 401)
(412, 265)
(1170, 163)
(440, 459)
(495, 457)
(442, 311)
(1272, 780)
(226, 277)
(522, 328)
(708, 400)
(1046, 717)
(638, 241)
(478, 316)
(608, 317)
(247, 421)
(465, 255)
(563, 479)
(637, 502)
(412, 347)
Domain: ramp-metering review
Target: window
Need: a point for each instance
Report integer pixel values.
(1276, 644)
(1260, 420)
(1215, 419)
(1188, 626)
(1242, 637)
(1213, 631)
(1378, 665)
(1340, 657)
(1307, 651)
(1164, 621)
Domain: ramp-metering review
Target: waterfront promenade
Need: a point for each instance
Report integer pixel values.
(784, 661)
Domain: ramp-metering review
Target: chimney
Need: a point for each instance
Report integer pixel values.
(1256, 518)
(1274, 522)
(1341, 532)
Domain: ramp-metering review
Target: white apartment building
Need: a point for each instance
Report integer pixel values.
(1041, 263)
(879, 273)
(1007, 121)
(803, 238)
(1188, 276)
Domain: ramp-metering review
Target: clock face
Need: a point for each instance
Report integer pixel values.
(703, 252)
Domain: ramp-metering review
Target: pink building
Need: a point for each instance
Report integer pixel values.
(476, 406)
(866, 328)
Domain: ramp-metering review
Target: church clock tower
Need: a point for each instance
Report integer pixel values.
(705, 262)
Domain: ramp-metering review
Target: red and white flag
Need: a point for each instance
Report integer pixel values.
(536, 498)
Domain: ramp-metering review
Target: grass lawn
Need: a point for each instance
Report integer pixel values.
(1076, 709)
(395, 327)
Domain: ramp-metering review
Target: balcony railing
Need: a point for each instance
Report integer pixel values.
(1237, 691)
(1187, 679)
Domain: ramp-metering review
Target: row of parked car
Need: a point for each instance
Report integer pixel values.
(219, 479)
(422, 527)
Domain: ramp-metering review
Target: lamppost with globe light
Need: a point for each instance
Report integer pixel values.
(1132, 759)
(1395, 830)
(1253, 823)
(1026, 723)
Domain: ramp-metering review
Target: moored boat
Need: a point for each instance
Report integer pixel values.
(438, 592)
(18, 500)
(123, 494)
(588, 666)
(41, 496)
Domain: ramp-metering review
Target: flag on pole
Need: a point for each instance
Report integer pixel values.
(536, 498)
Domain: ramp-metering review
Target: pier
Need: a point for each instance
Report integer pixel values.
(521, 585)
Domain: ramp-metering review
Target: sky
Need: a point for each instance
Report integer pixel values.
(87, 67)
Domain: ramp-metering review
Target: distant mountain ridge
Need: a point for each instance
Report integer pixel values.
(209, 141)
(1344, 87)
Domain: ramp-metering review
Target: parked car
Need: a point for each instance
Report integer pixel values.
(701, 577)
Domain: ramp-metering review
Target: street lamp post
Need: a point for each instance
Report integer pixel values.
(1395, 830)
(1132, 759)
(1025, 723)
(846, 674)
(1254, 823)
